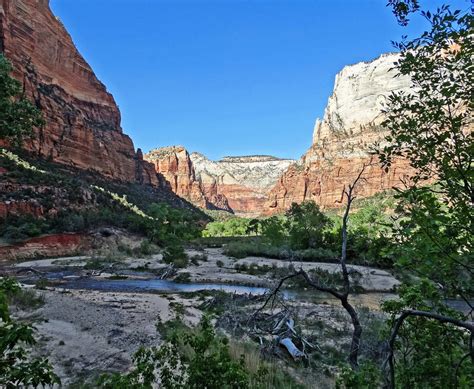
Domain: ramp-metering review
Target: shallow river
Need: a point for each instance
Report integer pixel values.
(158, 285)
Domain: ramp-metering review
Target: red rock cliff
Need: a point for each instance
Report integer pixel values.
(343, 139)
(82, 119)
(174, 164)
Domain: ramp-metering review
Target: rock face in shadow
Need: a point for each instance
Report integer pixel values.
(82, 119)
(343, 141)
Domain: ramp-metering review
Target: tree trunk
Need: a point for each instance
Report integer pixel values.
(356, 334)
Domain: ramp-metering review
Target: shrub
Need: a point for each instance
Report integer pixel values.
(183, 278)
(174, 254)
(198, 257)
(368, 376)
(146, 247)
(17, 368)
(191, 360)
(25, 299)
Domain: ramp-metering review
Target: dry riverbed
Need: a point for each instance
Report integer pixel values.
(86, 332)
(216, 268)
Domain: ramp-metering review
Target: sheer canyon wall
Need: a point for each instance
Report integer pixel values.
(344, 139)
(82, 119)
(235, 184)
(83, 128)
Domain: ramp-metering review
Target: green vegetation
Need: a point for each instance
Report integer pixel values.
(18, 116)
(17, 368)
(174, 254)
(198, 358)
(192, 360)
(24, 298)
(71, 203)
(430, 127)
(428, 351)
(233, 226)
(305, 233)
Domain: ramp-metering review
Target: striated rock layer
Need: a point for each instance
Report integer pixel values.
(236, 184)
(343, 140)
(244, 181)
(82, 119)
(175, 166)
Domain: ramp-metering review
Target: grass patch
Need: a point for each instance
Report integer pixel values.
(264, 373)
(26, 299)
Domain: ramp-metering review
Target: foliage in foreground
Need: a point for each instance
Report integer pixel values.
(199, 359)
(428, 351)
(431, 128)
(17, 368)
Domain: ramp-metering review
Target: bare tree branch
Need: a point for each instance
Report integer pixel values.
(342, 295)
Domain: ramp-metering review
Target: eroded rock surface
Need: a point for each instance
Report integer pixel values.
(237, 184)
(245, 181)
(343, 141)
(174, 165)
(82, 119)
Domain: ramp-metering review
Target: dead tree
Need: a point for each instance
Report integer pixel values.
(342, 294)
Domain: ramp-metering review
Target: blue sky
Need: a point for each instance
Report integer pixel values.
(227, 77)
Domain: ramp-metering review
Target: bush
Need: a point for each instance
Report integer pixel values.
(146, 247)
(25, 299)
(174, 254)
(368, 376)
(17, 368)
(183, 278)
(191, 360)
(195, 259)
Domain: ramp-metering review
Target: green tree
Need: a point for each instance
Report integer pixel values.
(254, 227)
(431, 127)
(17, 368)
(274, 230)
(18, 116)
(306, 225)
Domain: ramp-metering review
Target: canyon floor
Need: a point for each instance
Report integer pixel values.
(96, 314)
